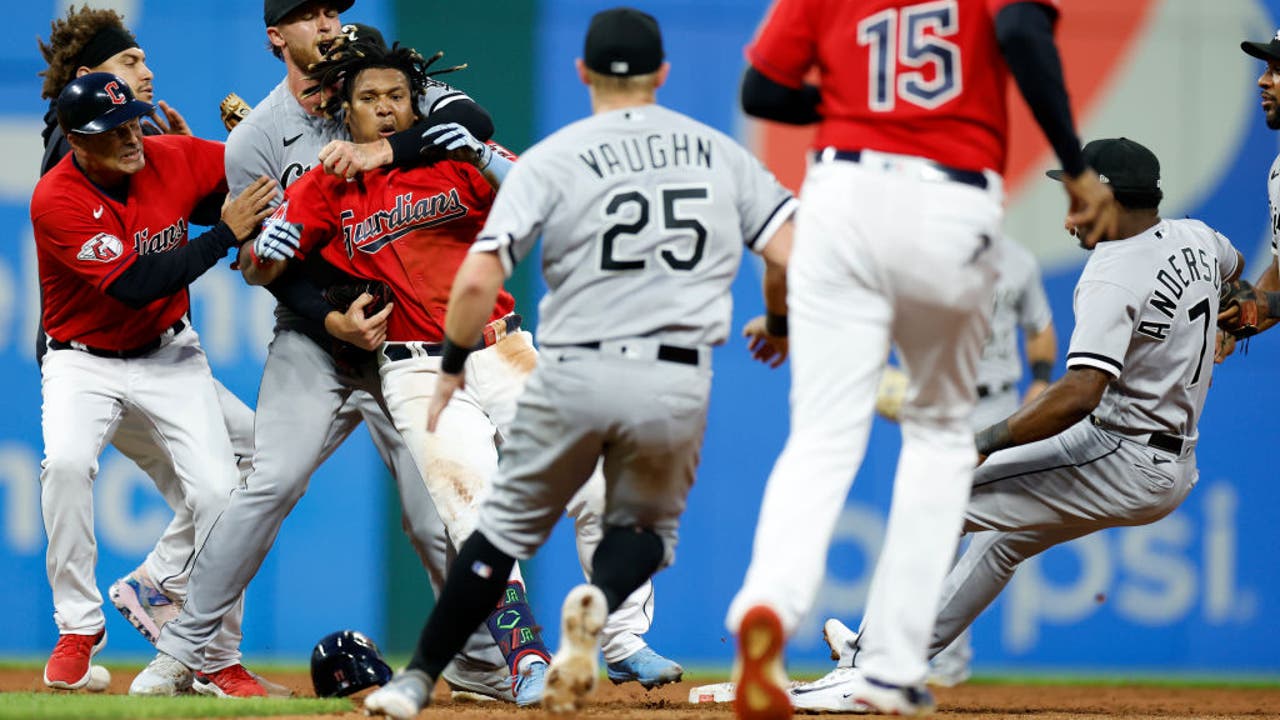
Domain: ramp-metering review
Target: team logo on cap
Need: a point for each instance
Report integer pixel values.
(113, 91)
(101, 248)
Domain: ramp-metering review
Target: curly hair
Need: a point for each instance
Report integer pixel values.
(346, 60)
(67, 39)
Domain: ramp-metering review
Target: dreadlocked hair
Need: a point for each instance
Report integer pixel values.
(67, 38)
(345, 60)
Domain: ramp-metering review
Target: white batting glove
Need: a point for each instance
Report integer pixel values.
(279, 240)
(452, 136)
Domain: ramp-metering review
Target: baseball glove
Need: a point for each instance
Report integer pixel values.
(1241, 308)
(233, 109)
(341, 295)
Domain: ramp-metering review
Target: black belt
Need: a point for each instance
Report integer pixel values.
(670, 353)
(975, 178)
(1157, 440)
(493, 332)
(130, 353)
(987, 390)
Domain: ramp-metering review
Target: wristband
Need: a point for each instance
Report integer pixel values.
(995, 437)
(1041, 370)
(775, 325)
(453, 357)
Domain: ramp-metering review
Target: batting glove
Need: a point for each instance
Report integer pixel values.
(279, 240)
(452, 136)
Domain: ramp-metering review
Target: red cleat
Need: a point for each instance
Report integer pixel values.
(68, 666)
(233, 682)
(761, 690)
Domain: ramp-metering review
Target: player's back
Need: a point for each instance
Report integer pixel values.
(899, 76)
(1168, 277)
(650, 212)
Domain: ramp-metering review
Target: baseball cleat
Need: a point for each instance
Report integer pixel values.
(402, 698)
(164, 675)
(230, 682)
(842, 641)
(531, 683)
(848, 690)
(275, 690)
(472, 682)
(645, 667)
(143, 604)
(572, 674)
(69, 666)
(760, 692)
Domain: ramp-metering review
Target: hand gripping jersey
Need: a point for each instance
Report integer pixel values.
(85, 239)
(927, 78)
(410, 228)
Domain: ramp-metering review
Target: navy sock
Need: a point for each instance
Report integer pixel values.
(474, 587)
(627, 556)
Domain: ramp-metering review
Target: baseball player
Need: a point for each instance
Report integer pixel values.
(638, 259)
(1265, 307)
(898, 213)
(114, 260)
(1112, 442)
(96, 40)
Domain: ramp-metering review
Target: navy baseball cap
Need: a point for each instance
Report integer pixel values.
(622, 42)
(359, 32)
(97, 102)
(273, 11)
(1132, 171)
(1263, 51)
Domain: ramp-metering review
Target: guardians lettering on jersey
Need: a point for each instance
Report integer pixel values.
(1185, 266)
(144, 243)
(658, 151)
(372, 233)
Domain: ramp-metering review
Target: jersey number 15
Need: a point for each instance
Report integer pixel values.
(900, 49)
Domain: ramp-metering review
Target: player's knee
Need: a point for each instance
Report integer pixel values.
(67, 465)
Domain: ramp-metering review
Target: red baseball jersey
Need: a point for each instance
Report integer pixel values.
(85, 239)
(899, 76)
(410, 228)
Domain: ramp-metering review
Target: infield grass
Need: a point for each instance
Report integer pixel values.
(75, 706)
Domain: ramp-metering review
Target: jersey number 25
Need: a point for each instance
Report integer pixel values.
(673, 220)
(900, 48)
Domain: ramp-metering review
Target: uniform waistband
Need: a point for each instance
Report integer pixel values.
(1157, 440)
(127, 354)
(493, 332)
(645, 349)
(929, 169)
(989, 390)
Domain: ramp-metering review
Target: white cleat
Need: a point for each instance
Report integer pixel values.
(402, 698)
(572, 674)
(164, 675)
(472, 682)
(848, 690)
(842, 641)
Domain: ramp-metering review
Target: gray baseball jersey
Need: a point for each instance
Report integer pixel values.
(1152, 328)
(1020, 302)
(645, 212)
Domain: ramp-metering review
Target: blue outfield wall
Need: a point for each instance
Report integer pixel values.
(1193, 592)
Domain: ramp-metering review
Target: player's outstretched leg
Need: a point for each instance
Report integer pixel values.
(761, 682)
(572, 675)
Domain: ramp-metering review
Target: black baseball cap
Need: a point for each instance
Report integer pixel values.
(361, 33)
(97, 102)
(1263, 51)
(622, 42)
(1132, 171)
(273, 11)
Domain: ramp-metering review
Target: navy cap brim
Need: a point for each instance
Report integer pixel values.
(1262, 51)
(116, 117)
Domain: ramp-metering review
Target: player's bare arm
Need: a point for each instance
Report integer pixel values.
(767, 334)
(475, 290)
(1065, 403)
(1042, 349)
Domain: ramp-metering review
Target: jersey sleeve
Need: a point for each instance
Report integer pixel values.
(515, 222)
(1106, 314)
(437, 95)
(785, 46)
(91, 249)
(1228, 256)
(763, 203)
(247, 157)
(307, 203)
(1034, 314)
(206, 159)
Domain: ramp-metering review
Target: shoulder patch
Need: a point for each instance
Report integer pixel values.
(101, 248)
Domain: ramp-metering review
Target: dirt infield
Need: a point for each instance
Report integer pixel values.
(986, 701)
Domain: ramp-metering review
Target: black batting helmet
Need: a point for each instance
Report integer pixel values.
(98, 102)
(347, 662)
